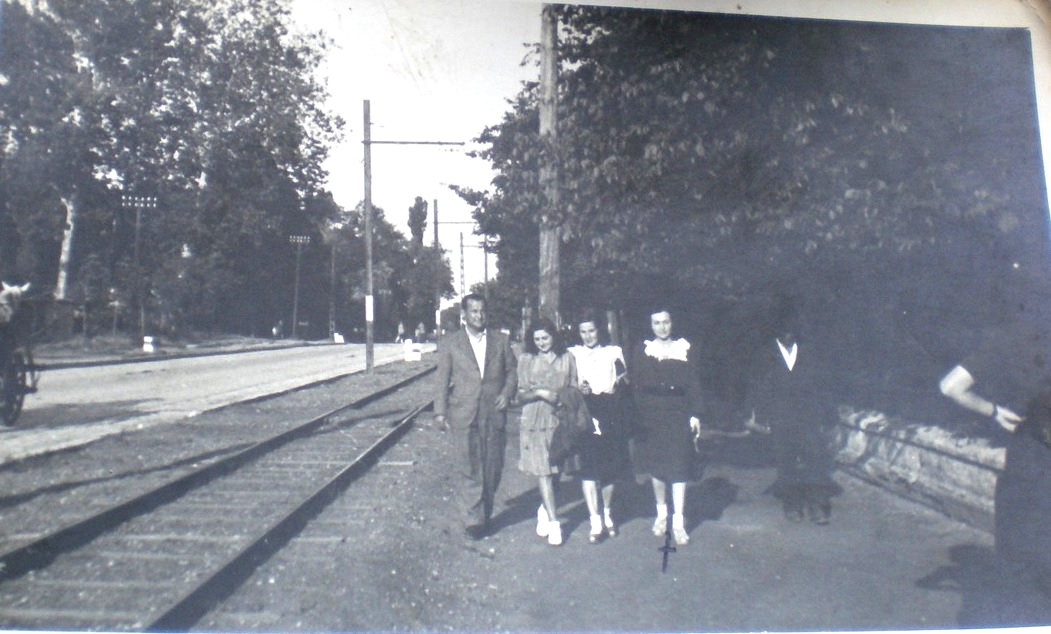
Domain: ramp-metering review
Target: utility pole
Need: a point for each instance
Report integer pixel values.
(368, 143)
(550, 217)
(369, 313)
(332, 291)
(485, 266)
(437, 284)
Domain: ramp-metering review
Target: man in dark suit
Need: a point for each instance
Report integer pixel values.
(476, 380)
(786, 398)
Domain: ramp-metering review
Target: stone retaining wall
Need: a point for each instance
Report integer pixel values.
(952, 474)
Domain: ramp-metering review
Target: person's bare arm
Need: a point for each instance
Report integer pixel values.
(958, 385)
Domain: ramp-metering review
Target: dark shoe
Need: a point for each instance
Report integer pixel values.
(752, 427)
(477, 532)
(820, 512)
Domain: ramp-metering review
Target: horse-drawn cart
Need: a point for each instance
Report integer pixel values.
(18, 372)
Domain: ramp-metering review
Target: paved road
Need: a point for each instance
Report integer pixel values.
(77, 405)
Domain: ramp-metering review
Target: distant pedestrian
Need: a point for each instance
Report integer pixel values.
(666, 384)
(601, 372)
(476, 381)
(786, 399)
(544, 370)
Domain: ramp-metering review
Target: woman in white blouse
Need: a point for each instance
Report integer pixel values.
(604, 451)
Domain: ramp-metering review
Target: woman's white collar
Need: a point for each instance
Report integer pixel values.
(669, 349)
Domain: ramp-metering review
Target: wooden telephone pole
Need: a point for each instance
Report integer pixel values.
(550, 234)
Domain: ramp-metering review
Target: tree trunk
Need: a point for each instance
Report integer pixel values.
(62, 283)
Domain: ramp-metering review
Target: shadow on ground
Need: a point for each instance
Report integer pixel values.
(992, 591)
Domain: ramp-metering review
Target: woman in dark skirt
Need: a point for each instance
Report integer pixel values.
(667, 391)
(604, 451)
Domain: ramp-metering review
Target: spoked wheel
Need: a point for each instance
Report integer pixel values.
(13, 388)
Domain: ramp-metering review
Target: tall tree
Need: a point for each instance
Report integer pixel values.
(418, 222)
(212, 107)
(715, 152)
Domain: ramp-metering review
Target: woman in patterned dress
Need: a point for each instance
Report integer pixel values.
(603, 452)
(667, 391)
(544, 369)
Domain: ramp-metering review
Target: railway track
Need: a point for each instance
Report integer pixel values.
(159, 560)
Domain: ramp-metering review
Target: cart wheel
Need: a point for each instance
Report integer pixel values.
(13, 388)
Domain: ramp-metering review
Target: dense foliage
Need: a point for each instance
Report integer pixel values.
(882, 174)
(212, 109)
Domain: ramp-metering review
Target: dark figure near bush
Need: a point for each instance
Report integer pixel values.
(1008, 381)
(786, 400)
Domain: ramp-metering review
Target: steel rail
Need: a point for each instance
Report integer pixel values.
(198, 601)
(43, 550)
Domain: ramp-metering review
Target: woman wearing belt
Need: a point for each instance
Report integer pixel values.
(544, 369)
(667, 391)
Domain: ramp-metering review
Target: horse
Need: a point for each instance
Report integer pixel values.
(10, 298)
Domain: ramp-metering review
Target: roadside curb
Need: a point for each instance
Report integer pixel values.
(21, 443)
(60, 362)
(951, 474)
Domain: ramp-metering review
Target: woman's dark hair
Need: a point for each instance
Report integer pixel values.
(600, 325)
(558, 345)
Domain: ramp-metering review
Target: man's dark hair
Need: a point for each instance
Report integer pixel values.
(471, 297)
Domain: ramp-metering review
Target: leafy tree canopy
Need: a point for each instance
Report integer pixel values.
(716, 154)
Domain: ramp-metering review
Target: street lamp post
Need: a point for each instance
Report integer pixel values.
(300, 242)
(138, 203)
(332, 293)
(330, 235)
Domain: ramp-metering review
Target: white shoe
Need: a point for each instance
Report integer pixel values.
(679, 533)
(595, 536)
(678, 530)
(607, 521)
(554, 533)
(541, 522)
(660, 526)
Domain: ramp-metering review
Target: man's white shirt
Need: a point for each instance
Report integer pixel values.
(789, 354)
(478, 347)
